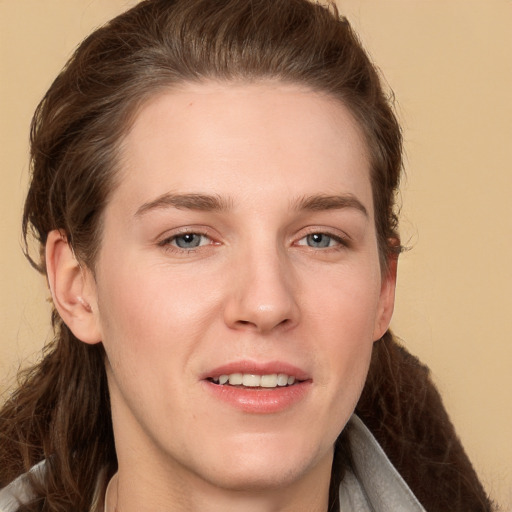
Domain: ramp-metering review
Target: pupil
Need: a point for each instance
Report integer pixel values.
(318, 240)
(188, 240)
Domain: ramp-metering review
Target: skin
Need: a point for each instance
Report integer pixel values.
(258, 287)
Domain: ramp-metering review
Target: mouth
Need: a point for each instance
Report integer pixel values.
(258, 388)
(255, 381)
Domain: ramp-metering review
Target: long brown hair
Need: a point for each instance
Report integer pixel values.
(61, 410)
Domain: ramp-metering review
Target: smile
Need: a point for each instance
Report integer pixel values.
(251, 380)
(258, 387)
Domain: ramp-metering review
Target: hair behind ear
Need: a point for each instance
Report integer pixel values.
(61, 413)
(402, 407)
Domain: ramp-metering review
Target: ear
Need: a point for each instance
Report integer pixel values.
(387, 298)
(73, 289)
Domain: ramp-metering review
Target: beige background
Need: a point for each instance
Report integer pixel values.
(450, 65)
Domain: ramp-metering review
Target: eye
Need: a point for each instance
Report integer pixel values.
(186, 241)
(320, 241)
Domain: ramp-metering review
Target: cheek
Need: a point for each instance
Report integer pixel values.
(144, 313)
(346, 303)
(343, 321)
(151, 331)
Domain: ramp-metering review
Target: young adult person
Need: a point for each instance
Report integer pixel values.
(213, 194)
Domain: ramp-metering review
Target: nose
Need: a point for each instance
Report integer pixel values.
(262, 294)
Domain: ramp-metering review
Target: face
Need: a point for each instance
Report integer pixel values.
(237, 289)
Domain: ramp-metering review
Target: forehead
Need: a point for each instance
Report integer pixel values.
(238, 138)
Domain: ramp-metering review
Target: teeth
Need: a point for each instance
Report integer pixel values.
(282, 379)
(236, 379)
(269, 381)
(251, 380)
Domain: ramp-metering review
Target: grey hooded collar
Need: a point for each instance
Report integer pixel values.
(373, 484)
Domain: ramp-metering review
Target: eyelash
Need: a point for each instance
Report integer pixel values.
(169, 244)
(342, 242)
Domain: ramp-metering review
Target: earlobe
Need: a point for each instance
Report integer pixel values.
(73, 289)
(386, 299)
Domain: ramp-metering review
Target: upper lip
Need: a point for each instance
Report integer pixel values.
(257, 368)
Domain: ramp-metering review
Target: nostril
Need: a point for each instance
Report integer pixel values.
(245, 322)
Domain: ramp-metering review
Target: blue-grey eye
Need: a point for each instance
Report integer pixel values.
(189, 240)
(319, 240)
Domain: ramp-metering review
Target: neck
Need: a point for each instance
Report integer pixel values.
(132, 490)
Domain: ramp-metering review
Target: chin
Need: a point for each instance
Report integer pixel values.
(259, 478)
(265, 466)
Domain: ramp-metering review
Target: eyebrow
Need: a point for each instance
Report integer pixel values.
(321, 202)
(200, 202)
(205, 202)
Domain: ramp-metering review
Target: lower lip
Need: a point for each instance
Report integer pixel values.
(260, 400)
